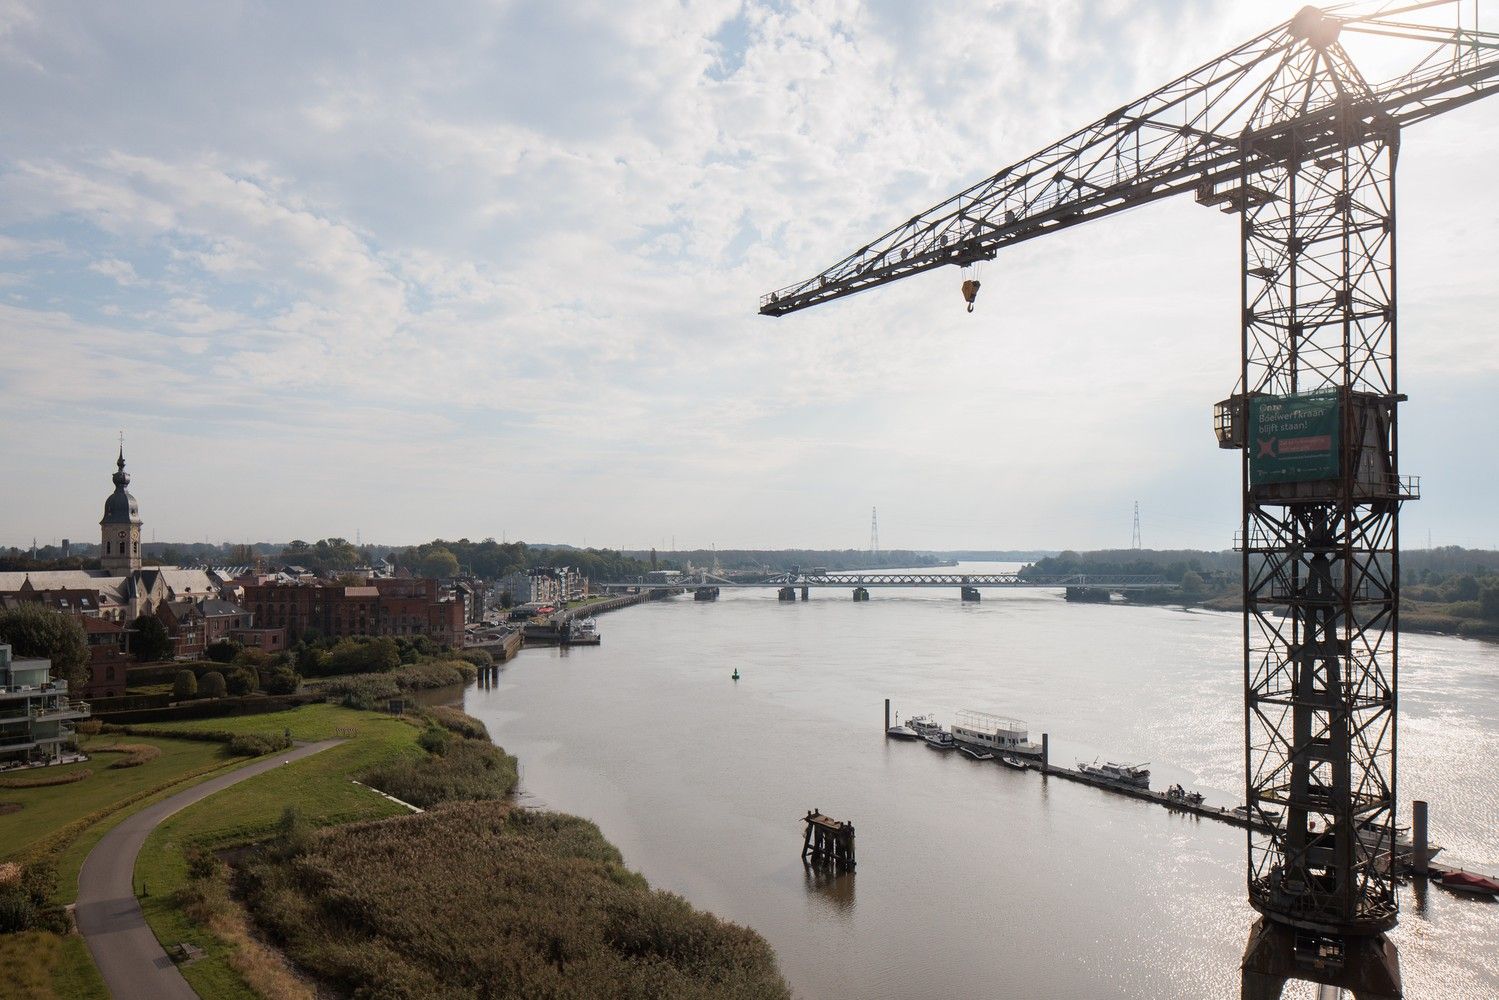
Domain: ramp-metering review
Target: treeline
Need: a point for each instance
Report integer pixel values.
(491, 559)
(779, 560)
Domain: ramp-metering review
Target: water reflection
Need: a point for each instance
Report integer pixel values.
(834, 889)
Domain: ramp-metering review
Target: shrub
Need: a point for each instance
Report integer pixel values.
(185, 686)
(478, 657)
(459, 722)
(434, 740)
(253, 657)
(45, 780)
(355, 656)
(281, 680)
(135, 754)
(223, 651)
(536, 904)
(88, 727)
(25, 901)
(467, 770)
(368, 691)
(257, 744)
(243, 681)
(211, 685)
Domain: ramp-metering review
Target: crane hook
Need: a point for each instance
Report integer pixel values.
(970, 291)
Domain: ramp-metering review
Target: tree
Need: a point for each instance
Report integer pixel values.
(438, 563)
(211, 685)
(1488, 602)
(223, 650)
(1192, 584)
(282, 680)
(507, 600)
(185, 686)
(364, 656)
(242, 681)
(33, 630)
(150, 641)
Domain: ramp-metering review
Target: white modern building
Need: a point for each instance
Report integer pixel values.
(36, 716)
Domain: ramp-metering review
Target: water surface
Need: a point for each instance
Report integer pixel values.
(973, 880)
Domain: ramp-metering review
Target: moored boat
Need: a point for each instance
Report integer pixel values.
(901, 732)
(1132, 775)
(940, 740)
(976, 754)
(1472, 882)
(1013, 764)
(995, 734)
(924, 725)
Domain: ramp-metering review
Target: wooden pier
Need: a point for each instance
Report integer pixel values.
(828, 842)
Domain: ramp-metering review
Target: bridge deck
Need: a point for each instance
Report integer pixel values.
(867, 580)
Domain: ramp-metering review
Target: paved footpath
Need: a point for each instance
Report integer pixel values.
(133, 964)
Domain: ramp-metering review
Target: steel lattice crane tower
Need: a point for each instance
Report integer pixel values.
(1286, 133)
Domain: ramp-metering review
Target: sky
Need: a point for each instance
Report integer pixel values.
(483, 269)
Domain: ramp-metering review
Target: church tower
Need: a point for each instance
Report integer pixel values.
(120, 530)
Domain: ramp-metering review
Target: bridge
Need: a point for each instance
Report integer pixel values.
(1078, 586)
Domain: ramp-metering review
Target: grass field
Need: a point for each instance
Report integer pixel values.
(307, 722)
(319, 787)
(62, 823)
(56, 819)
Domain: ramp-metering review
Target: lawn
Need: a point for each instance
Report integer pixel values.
(319, 787)
(64, 820)
(62, 823)
(307, 722)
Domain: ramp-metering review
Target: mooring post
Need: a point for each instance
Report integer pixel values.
(887, 716)
(1418, 837)
(1045, 752)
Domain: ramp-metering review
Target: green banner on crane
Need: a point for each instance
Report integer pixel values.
(1293, 439)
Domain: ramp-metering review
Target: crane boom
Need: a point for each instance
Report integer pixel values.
(1189, 135)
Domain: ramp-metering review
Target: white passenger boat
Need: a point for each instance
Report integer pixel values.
(995, 733)
(1133, 775)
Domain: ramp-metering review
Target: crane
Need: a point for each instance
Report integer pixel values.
(1285, 132)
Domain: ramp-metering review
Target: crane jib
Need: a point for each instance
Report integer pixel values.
(1157, 147)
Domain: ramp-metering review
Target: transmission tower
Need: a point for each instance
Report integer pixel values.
(1286, 134)
(1134, 538)
(874, 536)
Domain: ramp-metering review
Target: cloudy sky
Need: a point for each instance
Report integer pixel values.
(491, 268)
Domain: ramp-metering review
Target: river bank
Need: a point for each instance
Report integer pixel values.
(1416, 618)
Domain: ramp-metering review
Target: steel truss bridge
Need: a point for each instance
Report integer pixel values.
(1090, 581)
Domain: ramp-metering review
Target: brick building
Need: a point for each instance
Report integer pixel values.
(398, 608)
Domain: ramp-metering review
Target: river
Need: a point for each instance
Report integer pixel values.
(973, 880)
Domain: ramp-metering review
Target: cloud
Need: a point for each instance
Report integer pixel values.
(495, 268)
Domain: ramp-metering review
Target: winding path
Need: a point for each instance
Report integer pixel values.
(133, 964)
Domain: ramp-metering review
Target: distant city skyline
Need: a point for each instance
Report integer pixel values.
(473, 272)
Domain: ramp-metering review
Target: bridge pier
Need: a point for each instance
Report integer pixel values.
(969, 593)
(860, 594)
(786, 594)
(806, 593)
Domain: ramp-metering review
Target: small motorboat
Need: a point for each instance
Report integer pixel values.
(736, 674)
(1013, 764)
(900, 732)
(1472, 882)
(940, 740)
(976, 754)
